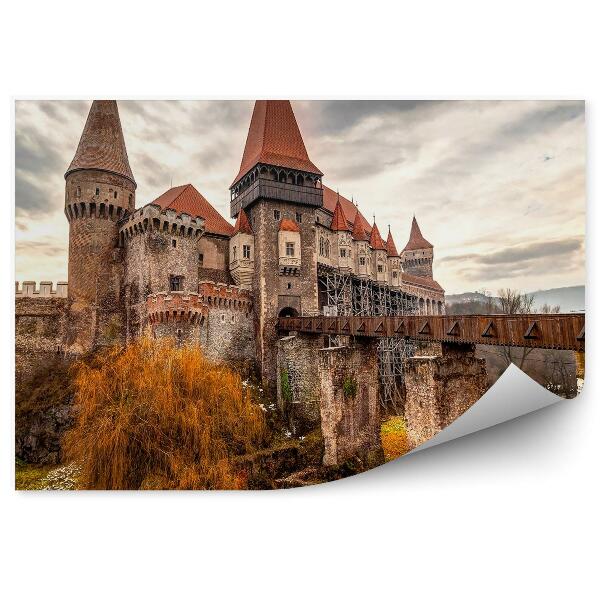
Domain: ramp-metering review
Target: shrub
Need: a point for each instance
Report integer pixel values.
(155, 416)
(394, 438)
(350, 387)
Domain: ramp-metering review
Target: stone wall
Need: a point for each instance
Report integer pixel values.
(39, 333)
(441, 388)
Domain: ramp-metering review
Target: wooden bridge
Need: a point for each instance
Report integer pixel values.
(553, 331)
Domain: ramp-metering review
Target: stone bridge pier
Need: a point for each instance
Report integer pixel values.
(336, 389)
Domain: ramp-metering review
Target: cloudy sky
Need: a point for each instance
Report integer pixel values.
(497, 187)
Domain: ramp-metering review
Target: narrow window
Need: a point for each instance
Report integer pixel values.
(299, 217)
(361, 260)
(394, 274)
(322, 246)
(276, 215)
(343, 252)
(380, 268)
(174, 243)
(201, 259)
(78, 192)
(97, 191)
(175, 283)
(289, 248)
(289, 286)
(115, 195)
(235, 253)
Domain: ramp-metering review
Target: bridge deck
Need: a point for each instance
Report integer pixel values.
(555, 331)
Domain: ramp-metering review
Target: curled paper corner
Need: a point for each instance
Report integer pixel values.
(513, 395)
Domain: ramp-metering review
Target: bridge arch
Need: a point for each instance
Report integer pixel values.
(288, 311)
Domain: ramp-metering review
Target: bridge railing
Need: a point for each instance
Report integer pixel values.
(554, 331)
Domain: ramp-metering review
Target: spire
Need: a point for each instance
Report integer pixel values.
(375, 240)
(339, 221)
(275, 139)
(102, 145)
(416, 241)
(358, 231)
(391, 247)
(242, 225)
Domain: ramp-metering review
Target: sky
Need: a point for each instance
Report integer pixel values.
(497, 186)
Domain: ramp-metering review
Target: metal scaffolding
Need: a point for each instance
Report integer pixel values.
(344, 294)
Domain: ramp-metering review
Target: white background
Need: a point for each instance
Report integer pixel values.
(511, 512)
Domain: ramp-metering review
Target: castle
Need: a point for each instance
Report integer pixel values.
(180, 269)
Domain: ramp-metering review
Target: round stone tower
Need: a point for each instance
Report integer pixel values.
(100, 191)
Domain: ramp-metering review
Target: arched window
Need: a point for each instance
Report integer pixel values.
(78, 192)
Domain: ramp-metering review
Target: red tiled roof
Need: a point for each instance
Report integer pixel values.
(275, 139)
(330, 199)
(102, 145)
(375, 239)
(339, 222)
(288, 225)
(422, 281)
(391, 247)
(242, 224)
(416, 241)
(358, 231)
(187, 199)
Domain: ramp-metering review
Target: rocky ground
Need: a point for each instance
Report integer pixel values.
(35, 477)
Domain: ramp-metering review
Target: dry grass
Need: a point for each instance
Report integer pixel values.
(154, 416)
(394, 438)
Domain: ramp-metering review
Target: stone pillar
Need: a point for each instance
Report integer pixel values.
(350, 417)
(441, 388)
(298, 386)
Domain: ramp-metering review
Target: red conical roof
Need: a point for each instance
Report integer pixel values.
(358, 231)
(102, 145)
(330, 199)
(187, 199)
(416, 241)
(275, 139)
(288, 225)
(339, 222)
(375, 240)
(242, 224)
(391, 247)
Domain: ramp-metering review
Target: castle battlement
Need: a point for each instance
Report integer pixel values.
(153, 218)
(225, 296)
(46, 289)
(165, 307)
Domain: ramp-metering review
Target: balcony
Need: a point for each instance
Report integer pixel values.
(275, 190)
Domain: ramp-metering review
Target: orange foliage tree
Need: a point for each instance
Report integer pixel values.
(155, 416)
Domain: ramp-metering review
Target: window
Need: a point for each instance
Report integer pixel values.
(343, 252)
(174, 243)
(362, 261)
(235, 253)
(115, 195)
(289, 286)
(289, 248)
(276, 215)
(175, 283)
(78, 192)
(380, 268)
(299, 217)
(246, 250)
(318, 219)
(200, 259)
(394, 274)
(97, 191)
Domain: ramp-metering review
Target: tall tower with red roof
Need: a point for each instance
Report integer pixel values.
(417, 256)
(277, 184)
(379, 264)
(100, 190)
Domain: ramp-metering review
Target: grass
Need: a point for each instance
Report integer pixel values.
(394, 438)
(156, 416)
(31, 477)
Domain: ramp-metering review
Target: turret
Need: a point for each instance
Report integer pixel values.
(99, 191)
(394, 266)
(342, 238)
(241, 252)
(362, 250)
(417, 256)
(379, 263)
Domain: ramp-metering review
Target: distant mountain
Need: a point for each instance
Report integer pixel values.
(568, 298)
